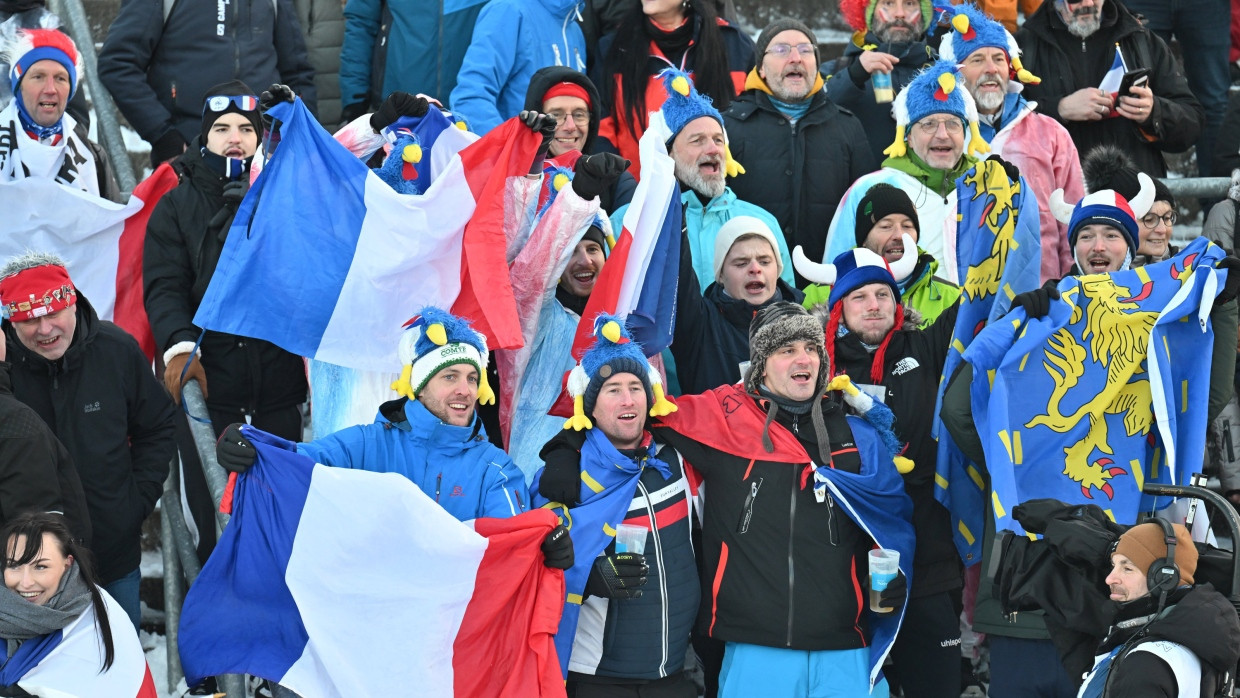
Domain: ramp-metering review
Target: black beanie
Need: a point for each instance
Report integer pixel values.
(782, 25)
(1108, 167)
(213, 109)
(595, 234)
(881, 201)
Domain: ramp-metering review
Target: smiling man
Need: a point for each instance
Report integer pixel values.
(800, 150)
(37, 137)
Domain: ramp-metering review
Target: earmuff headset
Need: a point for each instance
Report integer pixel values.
(1164, 575)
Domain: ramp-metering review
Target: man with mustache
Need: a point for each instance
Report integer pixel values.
(784, 125)
(1037, 144)
(890, 40)
(1072, 45)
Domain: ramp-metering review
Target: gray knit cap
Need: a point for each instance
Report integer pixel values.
(781, 25)
(777, 325)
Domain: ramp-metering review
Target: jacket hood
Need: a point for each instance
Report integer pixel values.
(544, 78)
(1047, 20)
(914, 53)
(83, 335)
(1205, 622)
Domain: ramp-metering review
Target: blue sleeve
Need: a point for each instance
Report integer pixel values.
(336, 450)
(506, 493)
(487, 67)
(123, 62)
(361, 27)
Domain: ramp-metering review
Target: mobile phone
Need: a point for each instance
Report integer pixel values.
(1140, 76)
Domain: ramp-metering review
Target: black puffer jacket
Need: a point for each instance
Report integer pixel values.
(798, 172)
(159, 71)
(1067, 64)
(104, 404)
(184, 239)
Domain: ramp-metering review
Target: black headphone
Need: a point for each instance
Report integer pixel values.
(1164, 575)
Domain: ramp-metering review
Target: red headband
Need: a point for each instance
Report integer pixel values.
(35, 292)
(568, 89)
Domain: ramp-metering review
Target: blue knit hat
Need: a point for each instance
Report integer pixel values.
(614, 351)
(973, 29)
(1107, 207)
(935, 90)
(433, 340)
(684, 103)
(29, 46)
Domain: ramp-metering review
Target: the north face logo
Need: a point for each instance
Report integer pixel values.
(905, 365)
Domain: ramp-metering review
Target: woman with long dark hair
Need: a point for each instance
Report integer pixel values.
(659, 34)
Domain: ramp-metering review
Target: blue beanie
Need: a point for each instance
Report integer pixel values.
(860, 267)
(684, 103)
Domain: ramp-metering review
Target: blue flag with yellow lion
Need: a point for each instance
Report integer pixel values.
(999, 253)
(1105, 393)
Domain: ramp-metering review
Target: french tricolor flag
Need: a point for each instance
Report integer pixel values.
(1114, 76)
(326, 261)
(338, 582)
(68, 662)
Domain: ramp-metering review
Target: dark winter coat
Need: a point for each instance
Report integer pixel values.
(322, 26)
(117, 422)
(244, 376)
(36, 472)
(159, 71)
(798, 172)
(1067, 64)
(849, 86)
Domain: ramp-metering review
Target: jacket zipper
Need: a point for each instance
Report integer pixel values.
(438, 482)
(833, 533)
(747, 513)
(658, 557)
(792, 518)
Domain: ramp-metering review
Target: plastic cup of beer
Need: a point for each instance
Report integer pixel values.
(631, 539)
(884, 565)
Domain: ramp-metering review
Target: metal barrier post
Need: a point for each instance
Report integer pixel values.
(1198, 187)
(174, 583)
(204, 440)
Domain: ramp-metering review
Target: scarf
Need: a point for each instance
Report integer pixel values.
(933, 178)
(674, 43)
(21, 620)
(37, 132)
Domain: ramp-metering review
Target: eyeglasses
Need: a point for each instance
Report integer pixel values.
(581, 117)
(931, 127)
(783, 50)
(218, 103)
(1151, 220)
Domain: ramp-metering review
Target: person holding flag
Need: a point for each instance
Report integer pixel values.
(645, 601)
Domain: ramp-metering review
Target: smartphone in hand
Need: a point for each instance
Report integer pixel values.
(1140, 76)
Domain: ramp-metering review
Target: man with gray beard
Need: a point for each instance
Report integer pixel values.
(1072, 45)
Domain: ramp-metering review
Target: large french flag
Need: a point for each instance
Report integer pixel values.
(68, 662)
(327, 261)
(640, 277)
(100, 241)
(338, 582)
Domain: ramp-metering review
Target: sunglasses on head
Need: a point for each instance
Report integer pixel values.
(218, 103)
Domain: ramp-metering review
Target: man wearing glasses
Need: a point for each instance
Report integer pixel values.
(800, 150)
(1073, 45)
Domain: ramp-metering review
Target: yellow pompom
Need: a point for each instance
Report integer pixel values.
(579, 420)
(461, 125)
(437, 334)
(897, 148)
(611, 330)
(903, 465)
(412, 153)
(486, 396)
(947, 81)
(402, 386)
(960, 23)
(681, 85)
(662, 406)
(559, 181)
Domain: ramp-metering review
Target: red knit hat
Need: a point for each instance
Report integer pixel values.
(35, 292)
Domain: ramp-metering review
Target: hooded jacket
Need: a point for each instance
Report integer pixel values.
(511, 40)
(798, 171)
(117, 422)
(184, 238)
(455, 466)
(1067, 64)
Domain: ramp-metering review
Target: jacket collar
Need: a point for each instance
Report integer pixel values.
(691, 201)
(412, 416)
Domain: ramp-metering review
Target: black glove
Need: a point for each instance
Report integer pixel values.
(561, 476)
(557, 549)
(544, 125)
(234, 452)
(893, 596)
(397, 104)
(167, 147)
(275, 94)
(1232, 286)
(1037, 303)
(235, 191)
(594, 174)
(1012, 171)
(618, 576)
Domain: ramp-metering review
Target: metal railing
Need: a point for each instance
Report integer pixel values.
(1191, 187)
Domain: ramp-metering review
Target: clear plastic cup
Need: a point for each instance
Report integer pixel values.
(631, 539)
(883, 92)
(884, 565)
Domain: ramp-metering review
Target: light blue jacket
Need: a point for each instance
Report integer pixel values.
(456, 466)
(550, 356)
(512, 39)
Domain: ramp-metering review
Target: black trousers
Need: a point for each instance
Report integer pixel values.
(926, 656)
(674, 686)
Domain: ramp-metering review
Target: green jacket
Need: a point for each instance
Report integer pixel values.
(927, 293)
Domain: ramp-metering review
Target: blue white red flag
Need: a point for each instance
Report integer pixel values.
(327, 261)
(1103, 394)
(340, 582)
(1114, 77)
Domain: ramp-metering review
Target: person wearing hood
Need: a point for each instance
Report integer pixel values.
(887, 225)
(1170, 637)
(800, 150)
(1037, 144)
(889, 41)
(90, 382)
(1107, 167)
(873, 338)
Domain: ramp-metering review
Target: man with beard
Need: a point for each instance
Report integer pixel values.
(783, 125)
(1072, 45)
(1037, 144)
(890, 40)
(699, 147)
